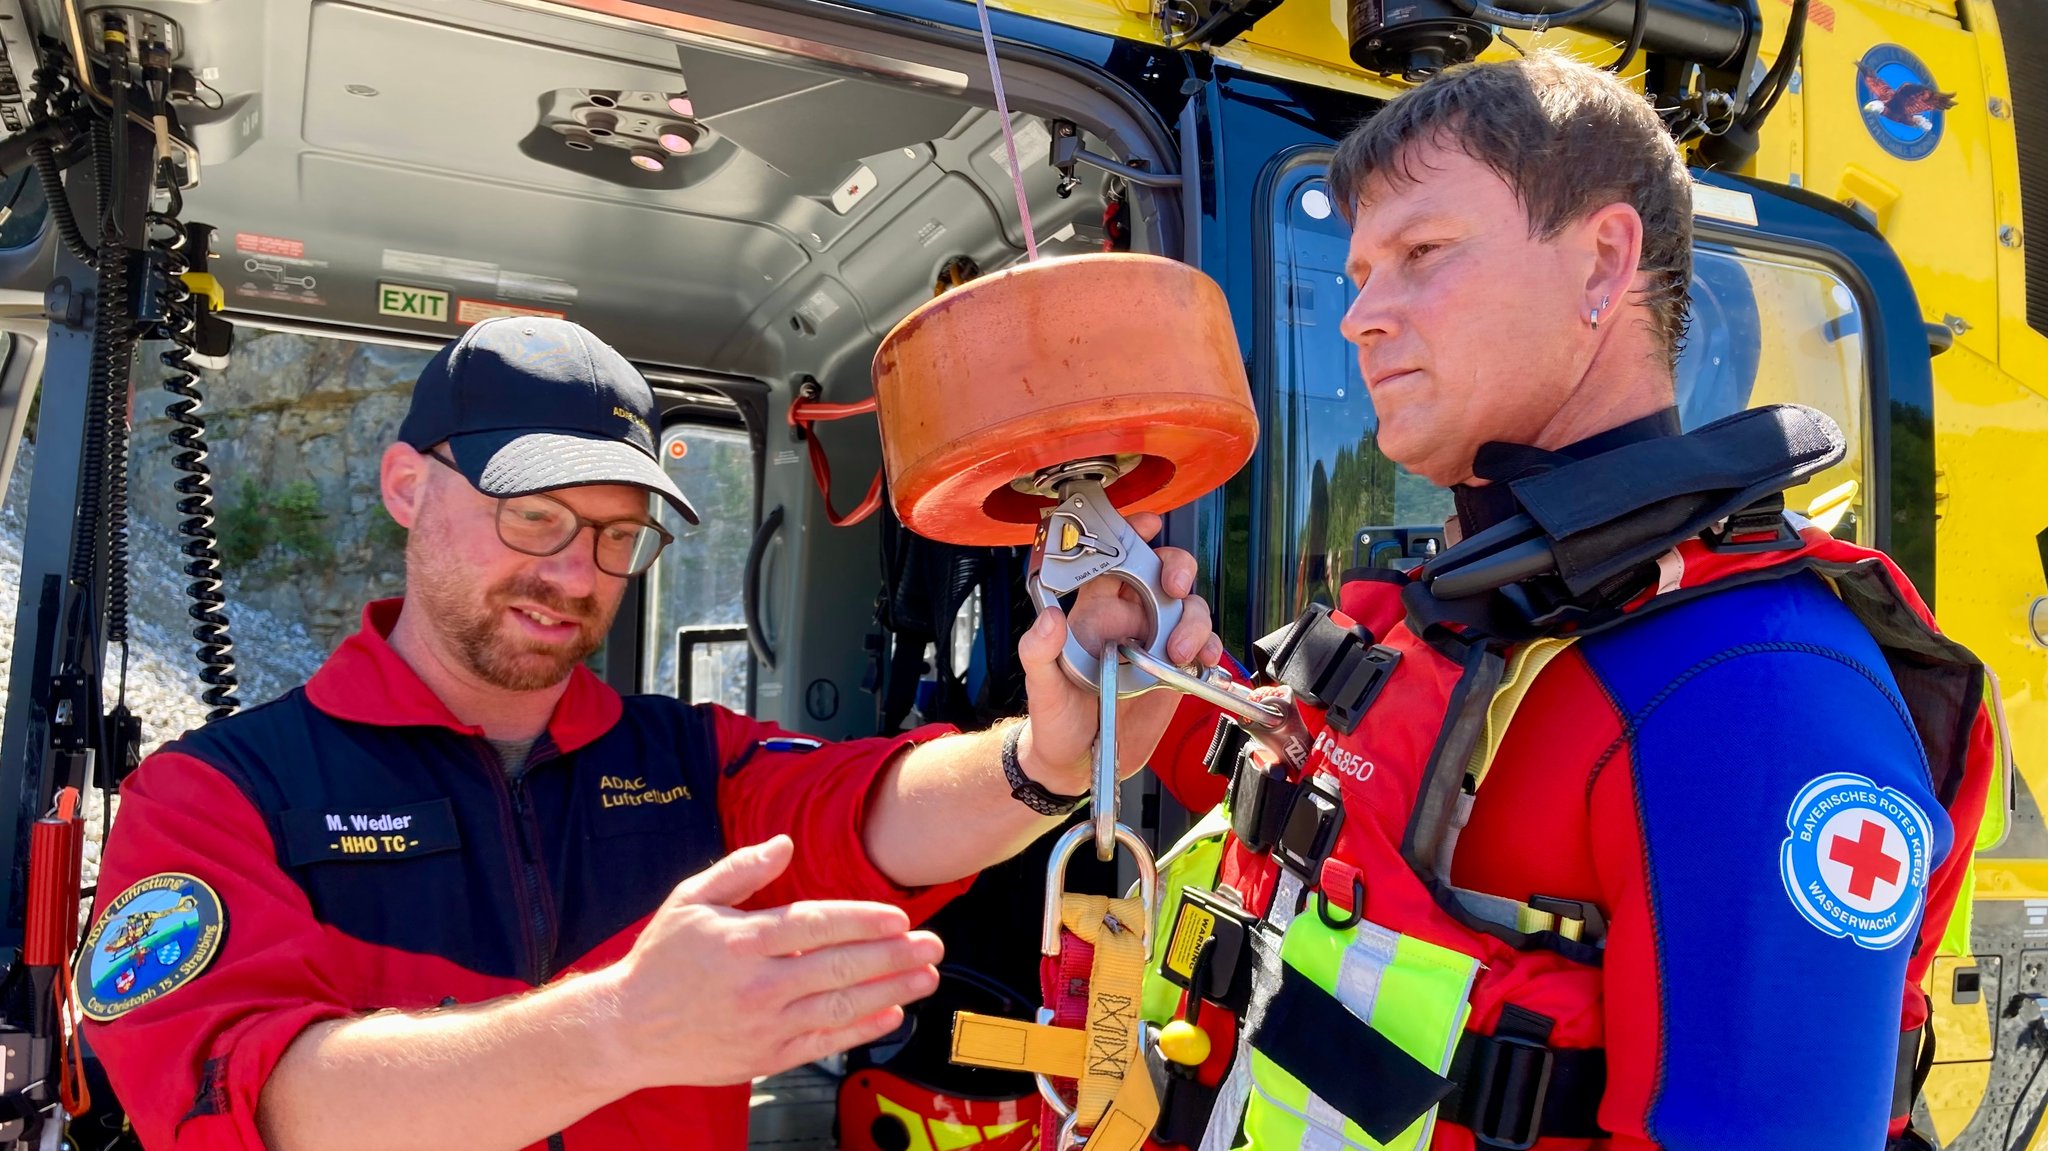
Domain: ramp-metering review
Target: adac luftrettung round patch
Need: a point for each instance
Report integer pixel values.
(1856, 861)
(151, 940)
(1902, 106)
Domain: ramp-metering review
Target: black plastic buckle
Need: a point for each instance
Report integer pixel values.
(1312, 826)
(1225, 747)
(1261, 799)
(1594, 924)
(1760, 527)
(1205, 951)
(1330, 665)
(1512, 1085)
(1366, 672)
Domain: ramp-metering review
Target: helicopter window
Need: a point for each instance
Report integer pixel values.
(1341, 502)
(694, 599)
(26, 210)
(1765, 329)
(1771, 329)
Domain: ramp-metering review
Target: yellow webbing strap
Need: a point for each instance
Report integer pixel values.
(1116, 928)
(1014, 1045)
(1132, 1114)
(1527, 662)
(1117, 1096)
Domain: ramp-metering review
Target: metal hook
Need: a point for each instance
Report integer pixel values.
(1102, 804)
(1357, 906)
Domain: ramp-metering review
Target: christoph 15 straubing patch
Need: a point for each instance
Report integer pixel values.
(154, 938)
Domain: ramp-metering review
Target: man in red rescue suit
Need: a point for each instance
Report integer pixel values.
(457, 892)
(1719, 831)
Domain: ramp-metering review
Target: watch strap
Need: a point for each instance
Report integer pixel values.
(1028, 791)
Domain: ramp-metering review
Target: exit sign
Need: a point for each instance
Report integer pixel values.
(412, 303)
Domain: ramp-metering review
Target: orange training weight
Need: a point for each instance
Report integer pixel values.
(1111, 354)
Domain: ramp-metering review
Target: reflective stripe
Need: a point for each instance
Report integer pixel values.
(1337, 1139)
(1236, 1088)
(1495, 909)
(1358, 978)
(1447, 848)
(1358, 989)
(1324, 1129)
(1518, 916)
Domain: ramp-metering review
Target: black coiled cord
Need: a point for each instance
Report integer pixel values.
(202, 567)
(113, 368)
(52, 180)
(50, 90)
(112, 335)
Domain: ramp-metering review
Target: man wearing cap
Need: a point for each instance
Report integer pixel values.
(456, 892)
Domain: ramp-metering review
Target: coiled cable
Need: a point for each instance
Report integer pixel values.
(207, 609)
(111, 331)
(113, 368)
(50, 90)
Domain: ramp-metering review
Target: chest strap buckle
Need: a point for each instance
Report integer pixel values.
(1513, 1089)
(1512, 1082)
(1330, 663)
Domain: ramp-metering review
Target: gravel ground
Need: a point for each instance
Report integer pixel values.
(162, 683)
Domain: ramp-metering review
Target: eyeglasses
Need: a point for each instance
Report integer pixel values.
(541, 525)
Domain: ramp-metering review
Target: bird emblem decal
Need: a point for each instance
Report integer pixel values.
(1905, 104)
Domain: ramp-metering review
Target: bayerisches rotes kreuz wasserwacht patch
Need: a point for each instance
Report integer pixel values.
(1856, 860)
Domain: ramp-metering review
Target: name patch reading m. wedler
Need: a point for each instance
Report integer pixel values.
(318, 835)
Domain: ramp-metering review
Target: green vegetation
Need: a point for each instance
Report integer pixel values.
(275, 530)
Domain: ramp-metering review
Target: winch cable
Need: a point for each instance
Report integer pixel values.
(806, 410)
(995, 77)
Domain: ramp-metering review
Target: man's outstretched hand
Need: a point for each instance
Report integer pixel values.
(712, 995)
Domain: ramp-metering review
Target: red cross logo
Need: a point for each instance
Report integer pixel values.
(1866, 858)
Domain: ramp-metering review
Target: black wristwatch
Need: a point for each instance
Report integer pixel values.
(1028, 791)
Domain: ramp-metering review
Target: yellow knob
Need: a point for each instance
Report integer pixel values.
(1184, 1043)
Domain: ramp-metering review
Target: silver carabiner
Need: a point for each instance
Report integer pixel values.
(1102, 802)
(1083, 537)
(1274, 722)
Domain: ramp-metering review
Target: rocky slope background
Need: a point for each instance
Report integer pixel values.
(295, 426)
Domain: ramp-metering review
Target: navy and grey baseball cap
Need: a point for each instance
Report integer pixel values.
(530, 403)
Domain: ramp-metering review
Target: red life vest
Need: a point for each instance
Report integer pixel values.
(1426, 733)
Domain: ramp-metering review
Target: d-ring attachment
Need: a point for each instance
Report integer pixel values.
(1049, 937)
(1056, 877)
(1346, 922)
